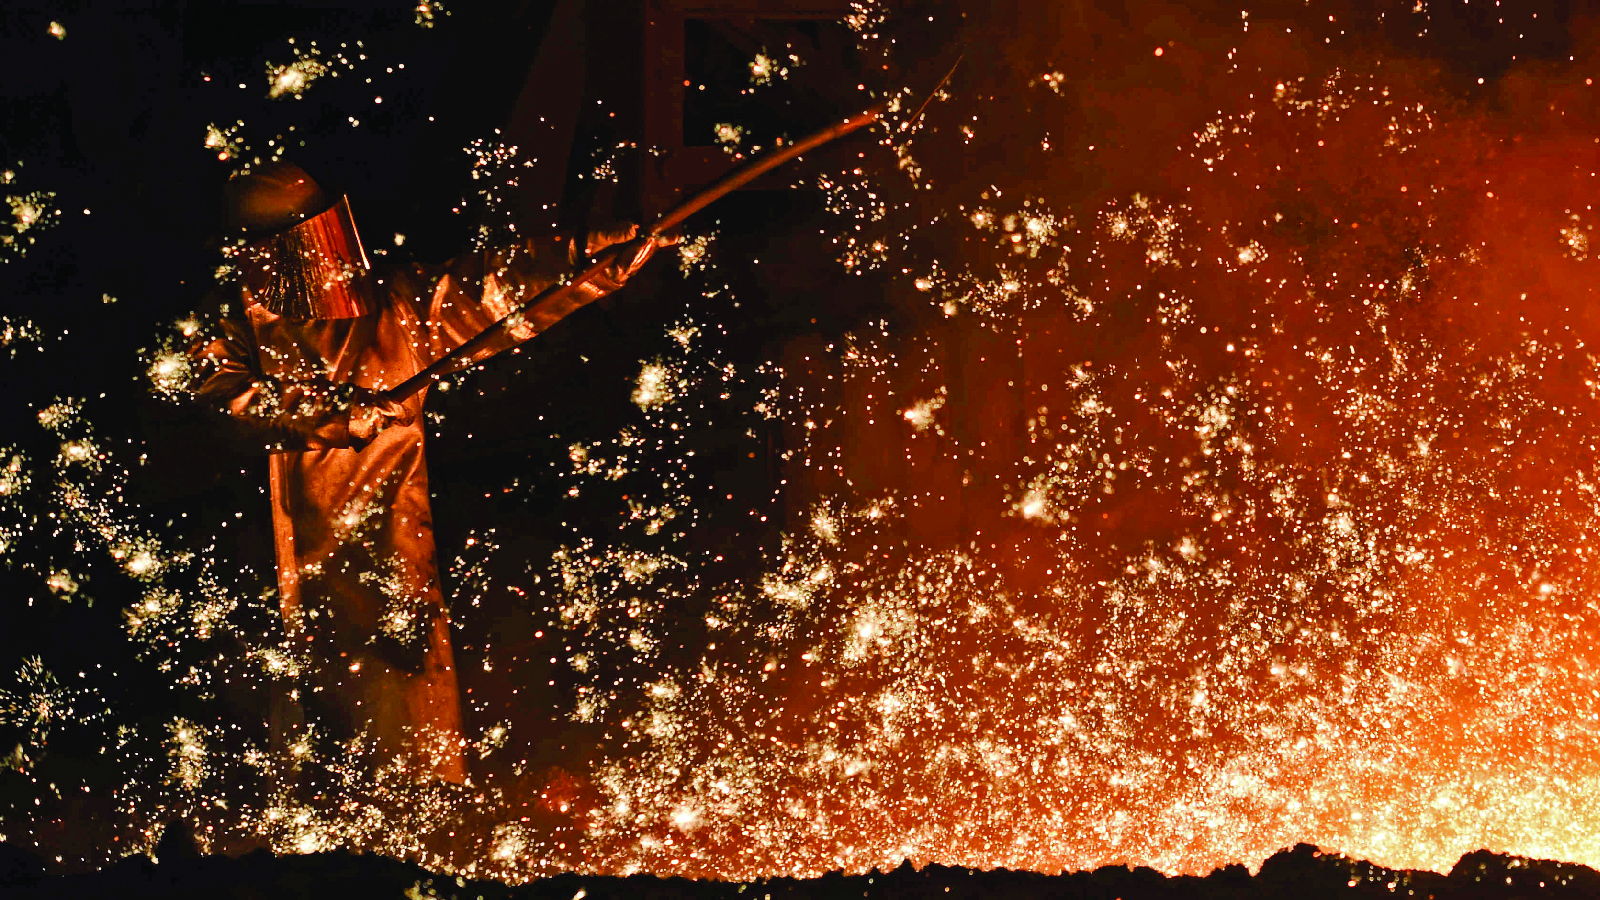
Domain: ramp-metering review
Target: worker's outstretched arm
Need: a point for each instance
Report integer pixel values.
(302, 413)
(458, 299)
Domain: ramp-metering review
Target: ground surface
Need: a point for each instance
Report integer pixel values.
(1302, 873)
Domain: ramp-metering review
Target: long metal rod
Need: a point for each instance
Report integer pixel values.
(933, 93)
(550, 304)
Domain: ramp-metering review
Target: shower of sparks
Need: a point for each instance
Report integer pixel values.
(294, 78)
(656, 386)
(40, 703)
(694, 253)
(427, 11)
(1287, 536)
(223, 141)
(765, 68)
(921, 413)
(1194, 634)
(15, 334)
(865, 16)
(728, 136)
(30, 214)
(495, 168)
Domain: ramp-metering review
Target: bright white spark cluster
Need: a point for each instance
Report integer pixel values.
(429, 11)
(293, 78)
(27, 215)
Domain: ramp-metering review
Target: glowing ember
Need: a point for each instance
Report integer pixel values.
(728, 136)
(292, 78)
(655, 386)
(428, 11)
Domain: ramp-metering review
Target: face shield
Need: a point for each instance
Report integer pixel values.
(315, 270)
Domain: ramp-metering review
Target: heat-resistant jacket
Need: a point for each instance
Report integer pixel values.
(358, 583)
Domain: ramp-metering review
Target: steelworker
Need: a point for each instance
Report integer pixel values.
(301, 364)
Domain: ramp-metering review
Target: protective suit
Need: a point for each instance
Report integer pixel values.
(320, 332)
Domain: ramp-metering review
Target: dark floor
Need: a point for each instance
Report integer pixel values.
(1301, 873)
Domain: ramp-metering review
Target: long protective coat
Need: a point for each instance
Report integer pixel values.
(357, 579)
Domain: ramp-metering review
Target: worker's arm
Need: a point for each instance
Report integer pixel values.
(308, 413)
(460, 298)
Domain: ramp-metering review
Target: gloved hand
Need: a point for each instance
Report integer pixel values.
(371, 413)
(631, 257)
(620, 232)
(606, 235)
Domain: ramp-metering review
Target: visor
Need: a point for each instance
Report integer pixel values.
(315, 270)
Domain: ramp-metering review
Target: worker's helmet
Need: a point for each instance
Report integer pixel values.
(297, 252)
